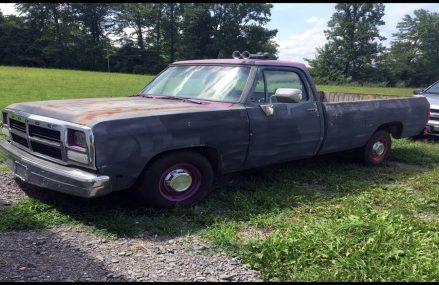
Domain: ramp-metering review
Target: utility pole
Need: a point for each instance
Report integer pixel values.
(108, 58)
(108, 40)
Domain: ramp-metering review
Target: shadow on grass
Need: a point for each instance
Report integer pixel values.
(239, 197)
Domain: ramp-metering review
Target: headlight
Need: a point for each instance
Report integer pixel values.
(77, 146)
(76, 139)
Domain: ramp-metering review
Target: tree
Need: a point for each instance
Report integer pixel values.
(353, 46)
(229, 21)
(196, 31)
(19, 42)
(414, 54)
(148, 36)
(56, 28)
(136, 16)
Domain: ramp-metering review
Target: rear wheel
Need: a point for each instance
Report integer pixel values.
(180, 178)
(377, 149)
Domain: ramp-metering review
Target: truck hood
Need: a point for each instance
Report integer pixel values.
(92, 111)
(433, 99)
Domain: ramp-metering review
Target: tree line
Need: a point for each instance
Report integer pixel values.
(354, 52)
(145, 37)
(131, 37)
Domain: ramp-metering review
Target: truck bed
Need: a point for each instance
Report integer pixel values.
(352, 118)
(331, 97)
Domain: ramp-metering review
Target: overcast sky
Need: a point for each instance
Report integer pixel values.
(300, 25)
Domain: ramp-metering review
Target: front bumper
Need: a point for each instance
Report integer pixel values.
(53, 176)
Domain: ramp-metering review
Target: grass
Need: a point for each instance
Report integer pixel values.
(366, 90)
(19, 84)
(322, 219)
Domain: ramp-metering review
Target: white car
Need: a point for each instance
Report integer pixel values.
(432, 95)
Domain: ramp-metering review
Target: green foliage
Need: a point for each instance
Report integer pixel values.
(415, 52)
(353, 45)
(94, 36)
(354, 54)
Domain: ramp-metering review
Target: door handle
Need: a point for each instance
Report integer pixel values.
(314, 110)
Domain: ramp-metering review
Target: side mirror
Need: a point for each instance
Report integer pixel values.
(287, 95)
(282, 95)
(418, 91)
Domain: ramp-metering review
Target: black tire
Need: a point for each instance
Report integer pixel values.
(153, 190)
(380, 138)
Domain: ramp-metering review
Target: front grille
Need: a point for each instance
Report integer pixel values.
(51, 135)
(30, 135)
(17, 125)
(47, 150)
(19, 140)
(434, 115)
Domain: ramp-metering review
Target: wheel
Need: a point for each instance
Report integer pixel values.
(180, 178)
(377, 149)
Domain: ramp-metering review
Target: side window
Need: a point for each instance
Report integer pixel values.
(258, 95)
(283, 79)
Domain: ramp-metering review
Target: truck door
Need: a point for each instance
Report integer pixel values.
(293, 130)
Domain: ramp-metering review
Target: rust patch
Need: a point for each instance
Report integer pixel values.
(93, 115)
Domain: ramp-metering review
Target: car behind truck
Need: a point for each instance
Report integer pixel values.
(195, 120)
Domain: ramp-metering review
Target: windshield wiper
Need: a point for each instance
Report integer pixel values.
(173, 98)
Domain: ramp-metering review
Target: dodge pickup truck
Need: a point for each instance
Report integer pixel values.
(195, 120)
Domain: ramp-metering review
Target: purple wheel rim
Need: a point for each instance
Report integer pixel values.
(172, 195)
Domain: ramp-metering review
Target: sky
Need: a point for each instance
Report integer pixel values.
(300, 25)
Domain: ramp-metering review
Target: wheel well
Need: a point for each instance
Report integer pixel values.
(210, 153)
(395, 128)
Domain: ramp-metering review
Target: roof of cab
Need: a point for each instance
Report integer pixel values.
(242, 62)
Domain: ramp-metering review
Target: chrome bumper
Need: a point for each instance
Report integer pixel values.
(53, 176)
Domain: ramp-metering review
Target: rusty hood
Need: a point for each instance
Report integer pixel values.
(92, 111)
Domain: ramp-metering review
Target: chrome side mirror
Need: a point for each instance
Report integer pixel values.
(418, 91)
(288, 95)
(282, 95)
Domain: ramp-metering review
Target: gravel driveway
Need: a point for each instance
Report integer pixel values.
(74, 254)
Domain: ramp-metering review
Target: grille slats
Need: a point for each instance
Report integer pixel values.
(36, 132)
(52, 135)
(47, 150)
(434, 115)
(17, 125)
(19, 140)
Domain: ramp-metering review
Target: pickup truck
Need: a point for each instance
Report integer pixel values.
(195, 120)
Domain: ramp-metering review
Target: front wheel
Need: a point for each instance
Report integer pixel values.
(377, 149)
(180, 178)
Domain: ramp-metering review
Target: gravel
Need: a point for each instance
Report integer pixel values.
(72, 253)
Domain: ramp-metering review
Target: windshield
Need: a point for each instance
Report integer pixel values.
(433, 89)
(216, 83)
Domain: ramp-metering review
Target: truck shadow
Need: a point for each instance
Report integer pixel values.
(238, 196)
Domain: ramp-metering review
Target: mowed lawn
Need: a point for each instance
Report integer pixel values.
(324, 219)
(19, 84)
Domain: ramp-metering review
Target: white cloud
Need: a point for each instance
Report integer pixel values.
(316, 20)
(8, 8)
(303, 45)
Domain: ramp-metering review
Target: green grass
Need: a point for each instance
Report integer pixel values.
(323, 219)
(19, 84)
(366, 90)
